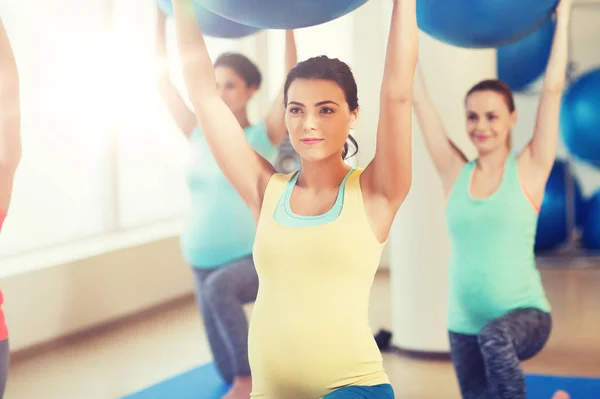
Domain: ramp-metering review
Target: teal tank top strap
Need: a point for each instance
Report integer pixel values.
(512, 173)
(285, 216)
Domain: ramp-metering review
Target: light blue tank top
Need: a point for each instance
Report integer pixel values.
(284, 215)
(492, 267)
(219, 227)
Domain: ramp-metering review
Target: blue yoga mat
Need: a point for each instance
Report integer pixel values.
(204, 382)
(544, 386)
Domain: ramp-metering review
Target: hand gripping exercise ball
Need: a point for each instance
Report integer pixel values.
(580, 118)
(212, 24)
(553, 223)
(482, 23)
(281, 14)
(522, 62)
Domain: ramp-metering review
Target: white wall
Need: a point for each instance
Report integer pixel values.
(101, 154)
(43, 305)
(60, 55)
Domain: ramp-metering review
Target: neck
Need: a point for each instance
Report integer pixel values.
(242, 118)
(324, 174)
(493, 160)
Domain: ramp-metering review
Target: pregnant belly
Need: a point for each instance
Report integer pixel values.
(308, 352)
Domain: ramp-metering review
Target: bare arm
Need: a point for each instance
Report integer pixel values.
(245, 169)
(183, 116)
(447, 158)
(10, 119)
(538, 157)
(390, 172)
(275, 120)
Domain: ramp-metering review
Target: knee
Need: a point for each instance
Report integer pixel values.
(215, 289)
(492, 338)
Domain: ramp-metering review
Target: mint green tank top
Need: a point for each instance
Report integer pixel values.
(219, 227)
(492, 266)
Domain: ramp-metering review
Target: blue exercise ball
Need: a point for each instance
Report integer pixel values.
(553, 222)
(482, 23)
(591, 225)
(281, 14)
(580, 118)
(522, 62)
(212, 24)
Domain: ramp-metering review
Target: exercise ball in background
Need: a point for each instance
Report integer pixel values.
(212, 24)
(553, 226)
(591, 224)
(580, 118)
(482, 23)
(281, 14)
(522, 62)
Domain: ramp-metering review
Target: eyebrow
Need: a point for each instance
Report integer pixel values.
(486, 112)
(316, 105)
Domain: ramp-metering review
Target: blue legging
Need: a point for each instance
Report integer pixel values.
(221, 294)
(383, 391)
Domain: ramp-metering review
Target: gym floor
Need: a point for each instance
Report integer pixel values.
(127, 356)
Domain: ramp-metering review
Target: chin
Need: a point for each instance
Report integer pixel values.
(314, 156)
(487, 149)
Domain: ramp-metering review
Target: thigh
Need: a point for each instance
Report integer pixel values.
(468, 365)
(383, 391)
(526, 329)
(238, 278)
(200, 277)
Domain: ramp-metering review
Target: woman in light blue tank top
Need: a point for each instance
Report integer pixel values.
(498, 311)
(219, 229)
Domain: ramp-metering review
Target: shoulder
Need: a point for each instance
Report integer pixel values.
(281, 179)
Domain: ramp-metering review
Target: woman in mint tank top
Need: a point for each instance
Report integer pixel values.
(498, 311)
(219, 229)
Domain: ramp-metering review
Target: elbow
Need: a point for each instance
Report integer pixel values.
(396, 91)
(397, 97)
(554, 86)
(9, 166)
(163, 85)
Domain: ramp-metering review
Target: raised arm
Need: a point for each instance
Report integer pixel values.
(389, 174)
(245, 169)
(10, 121)
(275, 119)
(183, 116)
(447, 158)
(538, 156)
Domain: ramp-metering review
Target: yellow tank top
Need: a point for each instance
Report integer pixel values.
(309, 331)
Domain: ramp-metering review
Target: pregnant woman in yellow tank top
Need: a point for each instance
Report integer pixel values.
(321, 230)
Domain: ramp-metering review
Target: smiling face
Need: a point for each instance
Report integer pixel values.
(318, 118)
(489, 120)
